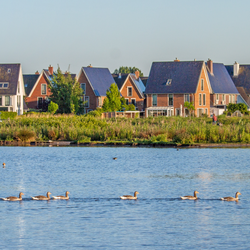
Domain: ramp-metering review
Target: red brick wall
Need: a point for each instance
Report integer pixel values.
(32, 100)
(135, 94)
(214, 103)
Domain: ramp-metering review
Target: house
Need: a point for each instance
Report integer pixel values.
(12, 90)
(243, 97)
(223, 88)
(171, 84)
(131, 88)
(94, 82)
(37, 90)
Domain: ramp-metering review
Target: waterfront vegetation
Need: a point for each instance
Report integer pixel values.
(162, 130)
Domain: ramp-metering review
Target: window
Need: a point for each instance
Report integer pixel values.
(186, 98)
(230, 99)
(83, 87)
(154, 96)
(200, 101)
(223, 97)
(26, 85)
(217, 97)
(18, 100)
(4, 85)
(39, 102)
(7, 100)
(233, 98)
(44, 89)
(18, 87)
(133, 101)
(99, 101)
(177, 112)
(204, 99)
(169, 81)
(1, 102)
(202, 84)
(129, 91)
(9, 70)
(86, 100)
(170, 100)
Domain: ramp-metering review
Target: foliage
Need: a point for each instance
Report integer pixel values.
(95, 113)
(66, 92)
(6, 115)
(127, 70)
(112, 102)
(52, 108)
(190, 107)
(125, 107)
(25, 135)
(239, 106)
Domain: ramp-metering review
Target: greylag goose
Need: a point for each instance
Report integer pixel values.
(42, 197)
(130, 197)
(13, 198)
(61, 197)
(189, 197)
(231, 198)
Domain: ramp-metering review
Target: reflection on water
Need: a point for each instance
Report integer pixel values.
(94, 216)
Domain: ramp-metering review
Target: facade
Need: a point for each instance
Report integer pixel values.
(171, 84)
(223, 88)
(37, 89)
(131, 88)
(94, 82)
(12, 90)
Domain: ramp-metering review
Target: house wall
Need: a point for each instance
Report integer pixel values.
(135, 94)
(93, 100)
(205, 91)
(32, 100)
(219, 101)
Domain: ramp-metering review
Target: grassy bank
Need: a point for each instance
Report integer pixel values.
(44, 127)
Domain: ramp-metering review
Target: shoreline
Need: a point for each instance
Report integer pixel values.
(123, 144)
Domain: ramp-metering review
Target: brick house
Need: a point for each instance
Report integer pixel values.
(37, 90)
(12, 90)
(131, 88)
(94, 82)
(224, 90)
(171, 84)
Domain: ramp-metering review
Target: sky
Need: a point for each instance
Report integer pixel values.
(114, 33)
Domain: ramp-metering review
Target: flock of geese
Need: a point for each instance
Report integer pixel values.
(124, 197)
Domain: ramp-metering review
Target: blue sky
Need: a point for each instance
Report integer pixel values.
(114, 33)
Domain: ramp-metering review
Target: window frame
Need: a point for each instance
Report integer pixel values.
(185, 99)
(200, 99)
(42, 90)
(84, 89)
(86, 105)
(171, 97)
(9, 103)
(202, 84)
(154, 100)
(204, 100)
(133, 99)
(128, 90)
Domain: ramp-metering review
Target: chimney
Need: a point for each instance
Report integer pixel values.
(210, 66)
(90, 66)
(120, 76)
(50, 70)
(176, 60)
(137, 74)
(236, 69)
(37, 72)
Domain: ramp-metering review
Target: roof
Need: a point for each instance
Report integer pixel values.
(244, 95)
(29, 82)
(243, 79)
(99, 78)
(144, 79)
(120, 79)
(184, 76)
(9, 73)
(221, 81)
(138, 82)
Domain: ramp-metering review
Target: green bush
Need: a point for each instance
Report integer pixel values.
(5, 115)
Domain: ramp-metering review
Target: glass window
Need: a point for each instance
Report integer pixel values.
(133, 101)
(177, 112)
(233, 98)
(129, 91)
(5, 85)
(204, 99)
(217, 97)
(18, 100)
(202, 84)
(154, 99)
(100, 101)
(169, 81)
(223, 97)
(83, 87)
(200, 101)
(127, 102)
(1, 102)
(7, 100)
(186, 98)
(170, 100)
(86, 104)
(44, 89)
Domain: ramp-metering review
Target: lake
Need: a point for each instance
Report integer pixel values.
(96, 218)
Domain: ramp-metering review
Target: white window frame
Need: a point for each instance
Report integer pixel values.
(128, 88)
(132, 101)
(223, 97)
(169, 81)
(200, 99)
(154, 95)
(43, 84)
(84, 89)
(9, 100)
(86, 105)
(230, 99)
(172, 95)
(185, 98)
(177, 110)
(99, 101)
(204, 99)
(202, 84)
(2, 85)
(233, 98)
(198, 113)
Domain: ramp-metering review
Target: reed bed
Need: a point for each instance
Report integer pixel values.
(44, 127)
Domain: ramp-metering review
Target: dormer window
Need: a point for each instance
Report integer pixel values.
(168, 81)
(9, 70)
(4, 85)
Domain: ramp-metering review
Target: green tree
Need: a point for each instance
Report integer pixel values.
(231, 107)
(112, 102)
(52, 108)
(66, 93)
(125, 107)
(190, 107)
(127, 70)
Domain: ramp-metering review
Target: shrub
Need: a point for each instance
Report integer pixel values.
(5, 115)
(25, 135)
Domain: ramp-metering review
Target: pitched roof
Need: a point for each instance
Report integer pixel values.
(120, 79)
(184, 76)
(9, 73)
(29, 82)
(139, 84)
(244, 95)
(243, 79)
(99, 78)
(220, 80)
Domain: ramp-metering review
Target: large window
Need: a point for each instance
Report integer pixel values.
(233, 98)
(18, 100)
(39, 102)
(83, 87)
(186, 98)
(204, 99)
(154, 99)
(170, 100)
(200, 99)
(202, 84)
(44, 89)
(7, 100)
(129, 91)
(86, 100)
